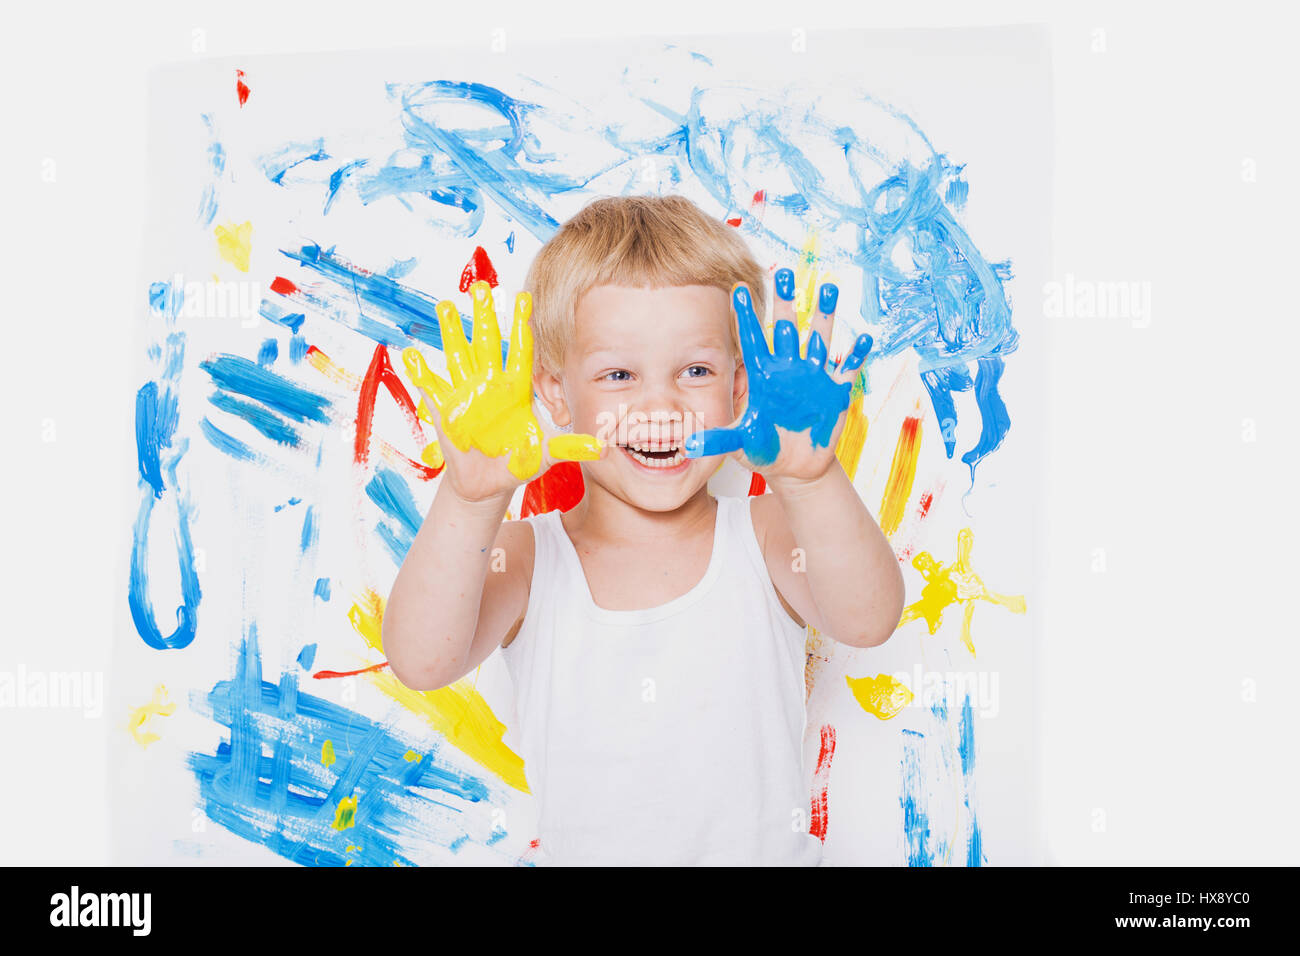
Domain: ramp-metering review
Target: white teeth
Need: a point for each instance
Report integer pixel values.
(653, 446)
(674, 461)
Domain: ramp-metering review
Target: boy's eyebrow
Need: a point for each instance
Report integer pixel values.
(620, 350)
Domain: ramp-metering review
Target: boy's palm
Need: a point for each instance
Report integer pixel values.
(787, 391)
(486, 410)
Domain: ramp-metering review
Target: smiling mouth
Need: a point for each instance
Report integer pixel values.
(655, 454)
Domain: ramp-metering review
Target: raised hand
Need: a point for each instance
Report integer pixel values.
(786, 390)
(486, 410)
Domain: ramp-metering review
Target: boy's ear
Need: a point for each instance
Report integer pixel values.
(551, 393)
(739, 390)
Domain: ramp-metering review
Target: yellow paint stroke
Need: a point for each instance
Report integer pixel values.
(158, 706)
(332, 371)
(805, 284)
(854, 435)
(902, 473)
(881, 695)
(346, 814)
(327, 753)
(235, 244)
(957, 583)
(485, 405)
(458, 712)
(411, 757)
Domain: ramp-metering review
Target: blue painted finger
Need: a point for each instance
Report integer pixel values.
(828, 298)
(753, 345)
(713, 441)
(785, 340)
(785, 284)
(859, 354)
(816, 349)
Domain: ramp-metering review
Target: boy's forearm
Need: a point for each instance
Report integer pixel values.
(432, 610)
(852, 570)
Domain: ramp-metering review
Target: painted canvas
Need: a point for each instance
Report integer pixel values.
(307, 214)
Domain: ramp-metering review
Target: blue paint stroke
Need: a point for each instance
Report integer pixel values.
(390, 492)
(401, 268)
(156, 418)
(337, 179)
(268, 352)
(228, 444)
(209, 200)
(307, 657)
(916, 822)
(287, 801)
(266, 422)
(322, 589)
(310, 530)
(237, 374)
(412, 314)
(966, 748)
(276, 164)
(273, 313)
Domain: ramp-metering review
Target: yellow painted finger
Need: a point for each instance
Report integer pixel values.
(460, 361)
(574, 447)
(432, 455)
(436, 387)
(519, 366)
(487, 335)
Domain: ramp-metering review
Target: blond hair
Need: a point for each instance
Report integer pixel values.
(635, 241)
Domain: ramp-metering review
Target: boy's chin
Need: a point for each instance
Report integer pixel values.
(659, 492)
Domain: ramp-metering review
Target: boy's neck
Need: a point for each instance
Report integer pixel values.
(608, 518)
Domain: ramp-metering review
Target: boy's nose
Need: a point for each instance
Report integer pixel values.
(654, 424)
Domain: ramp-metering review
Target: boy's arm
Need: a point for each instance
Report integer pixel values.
(850, 586)
(448, 609)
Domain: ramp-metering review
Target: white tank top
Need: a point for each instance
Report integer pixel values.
(671, 735)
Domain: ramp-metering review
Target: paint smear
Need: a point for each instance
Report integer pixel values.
(158, 706)
(902, 473)
(882, 695)
(235, 244)
(821, 784)
(955, 583)
(560, 487)
(854, 434)
(457, 712)
(265, 783)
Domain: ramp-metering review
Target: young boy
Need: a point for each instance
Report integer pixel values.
(654, 634)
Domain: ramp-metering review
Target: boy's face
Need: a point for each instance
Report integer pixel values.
(647, 367)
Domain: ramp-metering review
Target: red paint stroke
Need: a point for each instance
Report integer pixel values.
(479, 268)
(322, 675)
(758, 205)
(283, 286)
(734, 221)
(757, 484)
(381, 371)
(559, 487)
(820, 801)
(241, 87)
(923, 507)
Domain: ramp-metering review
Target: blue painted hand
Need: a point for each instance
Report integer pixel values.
(786, 390)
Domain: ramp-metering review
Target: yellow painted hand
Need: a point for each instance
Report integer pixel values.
(488, 406)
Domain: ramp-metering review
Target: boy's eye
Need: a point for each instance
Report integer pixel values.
(621, 371)
(702, 369)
